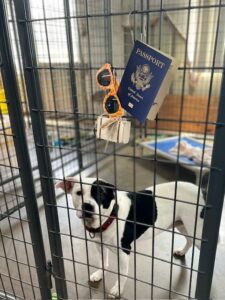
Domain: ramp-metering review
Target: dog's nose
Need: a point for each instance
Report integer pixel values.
(88, 210)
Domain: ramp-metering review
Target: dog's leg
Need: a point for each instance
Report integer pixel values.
(98, 275)
(116, 290)
(180, 253)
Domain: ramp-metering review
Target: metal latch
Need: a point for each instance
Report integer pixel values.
(49, 273)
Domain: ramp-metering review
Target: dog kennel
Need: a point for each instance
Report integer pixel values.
(50, 51)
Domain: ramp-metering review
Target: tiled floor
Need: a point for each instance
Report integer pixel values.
(124, 168)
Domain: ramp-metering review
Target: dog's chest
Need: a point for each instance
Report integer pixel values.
(137, 212)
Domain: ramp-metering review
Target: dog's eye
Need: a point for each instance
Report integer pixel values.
(79, 193)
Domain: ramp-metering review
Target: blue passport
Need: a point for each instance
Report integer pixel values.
(142, 79)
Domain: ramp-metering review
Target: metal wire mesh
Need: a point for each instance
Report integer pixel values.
(57, 48)
(18, 268)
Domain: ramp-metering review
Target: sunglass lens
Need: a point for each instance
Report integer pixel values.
(104, 78)
(111, 105)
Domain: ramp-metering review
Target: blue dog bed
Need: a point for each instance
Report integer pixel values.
(163, 147)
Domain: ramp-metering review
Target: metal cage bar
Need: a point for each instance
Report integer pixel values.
(40, 137)
(214, 206)
(15, 112)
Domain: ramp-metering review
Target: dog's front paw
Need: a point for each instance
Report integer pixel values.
(179, 254)
(114, 292)
(96, 276)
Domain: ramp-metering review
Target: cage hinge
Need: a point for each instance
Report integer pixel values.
(49, 272)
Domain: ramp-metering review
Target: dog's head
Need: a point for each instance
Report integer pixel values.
(92, 198)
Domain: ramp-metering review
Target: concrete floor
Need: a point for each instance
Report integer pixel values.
(124, 168)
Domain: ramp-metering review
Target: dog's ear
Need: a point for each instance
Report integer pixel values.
(109, 194)
(103, 192)
(108, 189)
(67, 184)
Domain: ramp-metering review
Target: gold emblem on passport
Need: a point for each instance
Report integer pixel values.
(142, 77)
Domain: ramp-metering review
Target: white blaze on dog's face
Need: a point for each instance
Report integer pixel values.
(90, 198)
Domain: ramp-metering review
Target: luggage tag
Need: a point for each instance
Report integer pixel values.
(115, 130)
(111, 126)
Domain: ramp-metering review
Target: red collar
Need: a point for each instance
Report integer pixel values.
(107, 223)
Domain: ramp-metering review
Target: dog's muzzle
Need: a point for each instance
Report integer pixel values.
(87, 210)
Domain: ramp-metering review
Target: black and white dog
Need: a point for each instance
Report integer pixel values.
(99, 204)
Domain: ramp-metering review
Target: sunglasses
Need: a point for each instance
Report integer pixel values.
(106, 80)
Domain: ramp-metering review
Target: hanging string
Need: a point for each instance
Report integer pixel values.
(130, 26)
(143, 33)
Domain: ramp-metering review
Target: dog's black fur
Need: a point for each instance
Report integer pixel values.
(142, 210)
(204, 188)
